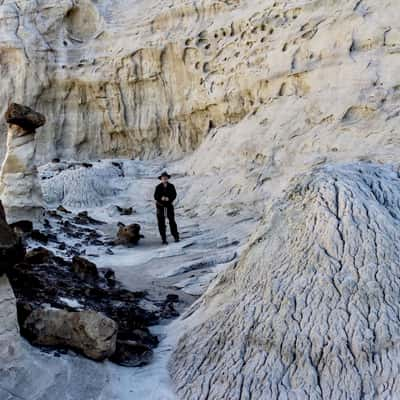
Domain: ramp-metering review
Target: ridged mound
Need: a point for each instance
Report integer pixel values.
(312, 309)
(79, 185)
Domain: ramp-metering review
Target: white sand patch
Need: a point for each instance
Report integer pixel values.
(73, 303)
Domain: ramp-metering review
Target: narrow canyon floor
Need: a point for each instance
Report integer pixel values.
(209, 244)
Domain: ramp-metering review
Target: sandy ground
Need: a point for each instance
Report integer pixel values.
(209, 244)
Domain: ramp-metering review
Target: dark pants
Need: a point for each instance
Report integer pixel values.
(169, 212)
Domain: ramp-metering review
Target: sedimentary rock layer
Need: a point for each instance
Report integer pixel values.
(139, 78)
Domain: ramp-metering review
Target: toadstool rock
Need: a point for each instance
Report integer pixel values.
(19, 184)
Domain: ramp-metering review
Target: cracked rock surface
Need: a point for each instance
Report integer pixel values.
(311, 311)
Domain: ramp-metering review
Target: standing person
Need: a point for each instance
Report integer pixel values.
(164, 195)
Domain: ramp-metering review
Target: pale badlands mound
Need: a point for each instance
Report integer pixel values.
(312, 309)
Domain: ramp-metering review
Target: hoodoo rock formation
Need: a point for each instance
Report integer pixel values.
(20, 189)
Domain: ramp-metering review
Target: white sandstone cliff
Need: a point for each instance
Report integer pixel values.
(134, 79)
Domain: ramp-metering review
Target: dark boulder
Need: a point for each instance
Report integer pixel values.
(63, 209)
(88, 332)
(23, 226)
(109, 275)
(85, 269)
(24, 117)
(45, 280)
(40, 255)
(172, 298)
(125, 211)
(83, 218)
(87, 165)
(128, 235)
(129, 353)
(39, 236)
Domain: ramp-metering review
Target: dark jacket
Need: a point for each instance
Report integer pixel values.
(165, 191)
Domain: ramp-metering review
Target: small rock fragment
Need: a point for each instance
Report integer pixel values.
(128, 235)
(85, 269)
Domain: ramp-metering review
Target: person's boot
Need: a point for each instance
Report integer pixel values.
(164, 241)
(177, 239)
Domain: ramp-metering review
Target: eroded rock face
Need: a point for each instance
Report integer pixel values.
(88, 332)
(151, 77)
(311, 310)
(20, 190)
(100, 67)
(308, 83)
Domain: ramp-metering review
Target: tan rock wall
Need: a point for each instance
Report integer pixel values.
(133, 79)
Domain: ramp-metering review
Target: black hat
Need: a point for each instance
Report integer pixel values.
(164, 174)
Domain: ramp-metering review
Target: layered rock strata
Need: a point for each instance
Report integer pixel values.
(129, 78)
